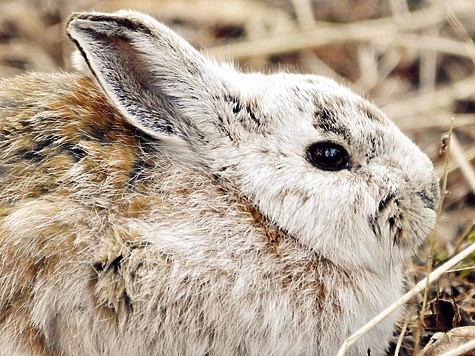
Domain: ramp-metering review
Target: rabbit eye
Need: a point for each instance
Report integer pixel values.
(328, 156)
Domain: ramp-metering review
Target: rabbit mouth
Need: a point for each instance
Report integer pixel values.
(404, 221)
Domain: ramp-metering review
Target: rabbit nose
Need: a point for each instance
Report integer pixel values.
(430, 195)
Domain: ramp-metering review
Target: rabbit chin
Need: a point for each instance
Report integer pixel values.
(377, 247)
(347, 226)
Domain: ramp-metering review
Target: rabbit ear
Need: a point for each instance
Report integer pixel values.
(153, 76)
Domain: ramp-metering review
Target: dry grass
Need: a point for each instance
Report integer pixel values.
(411, 57)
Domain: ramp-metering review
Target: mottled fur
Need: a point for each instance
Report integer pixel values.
(167, 206)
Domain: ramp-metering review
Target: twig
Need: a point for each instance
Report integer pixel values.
(467, 170)
(399, 8)
(430, 259)
(303, 10)
(426, 42)
(428, 66)
(465, 235)
(461, 349)
(434, 121)
(430, 101)
(329, 34)
(461, 269)
(469, 155)
(403, 331)
(457, 26)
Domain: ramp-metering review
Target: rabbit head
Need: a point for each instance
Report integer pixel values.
(318, 161)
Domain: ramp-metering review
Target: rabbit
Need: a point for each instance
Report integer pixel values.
(167, 204)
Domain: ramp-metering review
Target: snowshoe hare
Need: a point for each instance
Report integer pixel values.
(169, 205)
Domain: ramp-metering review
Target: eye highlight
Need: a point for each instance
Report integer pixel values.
(328, 156)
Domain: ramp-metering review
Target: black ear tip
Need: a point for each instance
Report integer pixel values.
(110, 24)
(71, 19)
(90, 23)
(78, 16)
(75, 20)
(89, 16)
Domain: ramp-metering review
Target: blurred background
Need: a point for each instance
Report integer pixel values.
(413, 58)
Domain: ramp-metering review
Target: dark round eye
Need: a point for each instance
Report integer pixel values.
(328, 156)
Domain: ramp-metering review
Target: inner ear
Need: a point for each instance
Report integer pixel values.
(131, 60)
(136, 67)
(136, 82)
